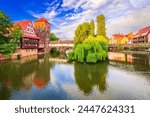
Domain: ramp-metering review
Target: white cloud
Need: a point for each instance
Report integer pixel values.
(131, 21)
(66, 32)
(68, 3)
(74, 19)
(48, 14)
(139, 3)
(62, 24)
(85, 4)
(122, 16)
(94, 4)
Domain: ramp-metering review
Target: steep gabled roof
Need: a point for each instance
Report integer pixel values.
(143, 31)
(118, 36)
(23, 25)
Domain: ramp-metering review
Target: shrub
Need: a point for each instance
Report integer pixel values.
(79, 53)
(54, 52)
(18, 56)
(91, 58)
(71, 55)
(99, 56)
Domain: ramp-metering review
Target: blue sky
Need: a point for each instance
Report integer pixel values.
(122, 16)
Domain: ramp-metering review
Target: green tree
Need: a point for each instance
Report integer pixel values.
(5, 26)
(87, 46)
(91, 50)
(53, 37)
(16, 35)
(82, 32)
(92, 27)
(85, 30)
(101, 30)
(8, 38)
(77, 35)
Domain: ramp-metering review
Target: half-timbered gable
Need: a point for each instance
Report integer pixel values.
(29, 43)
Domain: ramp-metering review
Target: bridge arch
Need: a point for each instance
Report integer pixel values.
(62, 46)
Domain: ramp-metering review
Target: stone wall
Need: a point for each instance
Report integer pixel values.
(24, 52)
(28, 52)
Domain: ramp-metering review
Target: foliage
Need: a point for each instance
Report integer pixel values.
(71, 55)
(92, 49)
(5, 25)
(82, 32)
(8, 38)
(91, 57)
(92, 27)
(15, 35)
(89, 47)
(53, 37)
(101, 30)
(79, 53)
(54, 52)
(18, 56)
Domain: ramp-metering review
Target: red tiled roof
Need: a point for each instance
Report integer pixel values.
(23, 25)
(129, 39)
(145, 30)
(118, 36)
(42, 20)
(39, 82)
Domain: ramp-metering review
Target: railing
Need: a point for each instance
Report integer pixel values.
(61, 45)
(30, 46)
(130, 45)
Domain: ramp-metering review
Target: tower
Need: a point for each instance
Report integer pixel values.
(42, 29)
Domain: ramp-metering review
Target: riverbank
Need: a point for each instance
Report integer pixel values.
(15, 56)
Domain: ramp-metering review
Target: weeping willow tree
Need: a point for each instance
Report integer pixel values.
(90, 47)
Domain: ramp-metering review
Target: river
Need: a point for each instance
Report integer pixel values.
(122, 77)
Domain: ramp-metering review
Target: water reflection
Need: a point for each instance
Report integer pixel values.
(23, 74)
(88, 76)
(124, 76)
(139, 63)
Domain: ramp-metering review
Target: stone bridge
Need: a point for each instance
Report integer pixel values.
(62, 46)
(142, 46)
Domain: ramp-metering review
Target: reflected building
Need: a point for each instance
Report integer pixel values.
(23, 74)
(88, 76)
(42, 72)
(139, 63)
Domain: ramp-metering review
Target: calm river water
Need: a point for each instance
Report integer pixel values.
(123, 76)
